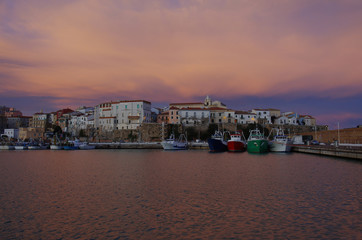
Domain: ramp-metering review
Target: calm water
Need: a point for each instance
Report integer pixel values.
(148, 194)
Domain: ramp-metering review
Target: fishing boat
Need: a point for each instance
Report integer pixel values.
(86, 146)
(280, 143)
(7, 147)
(235, 144)
(217, 142)
(21, 146)
(257, 142)
(56, 147)
(56, 144)
(71, 145)
(172, 144)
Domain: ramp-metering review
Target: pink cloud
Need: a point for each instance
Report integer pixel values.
(138, 48)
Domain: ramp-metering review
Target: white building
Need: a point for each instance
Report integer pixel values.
(11, 132)
(79, 121)
(194, 116)
(286, 120)
(282, 120)
(122, 114)
(242, 117)
(262, 114)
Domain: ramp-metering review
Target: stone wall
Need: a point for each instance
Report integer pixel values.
(348, 135)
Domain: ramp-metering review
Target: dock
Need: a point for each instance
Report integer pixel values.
(341, 151)
(135, 145)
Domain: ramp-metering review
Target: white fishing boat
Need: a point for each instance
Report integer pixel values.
(56, 147)
(7, 147)
(33, 147)
(86, 146)
(21, 146)
(280, 143)
(172, 144)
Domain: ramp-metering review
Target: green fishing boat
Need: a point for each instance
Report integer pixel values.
(257, 142)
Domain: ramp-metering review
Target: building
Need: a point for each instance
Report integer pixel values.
(163, 117)
(3, 123)
(174, 117)
(80, 121)
(263, 116)
(208, 105)
(18, 122)
(130, 114)
(243, 117)
(194, 116)
(307, 120)
(31, 133)
(39, 120)
(11, 133)
(12, 112)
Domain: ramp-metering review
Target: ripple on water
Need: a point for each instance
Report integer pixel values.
(172, 195)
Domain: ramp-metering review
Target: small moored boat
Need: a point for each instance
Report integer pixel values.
(217, 142)
(172, 144)
(280, 143)
(257, 142)
(235, 144)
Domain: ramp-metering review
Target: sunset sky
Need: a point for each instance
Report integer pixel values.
(302, 56)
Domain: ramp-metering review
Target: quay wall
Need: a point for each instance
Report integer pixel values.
(348, 135)
(354, 153)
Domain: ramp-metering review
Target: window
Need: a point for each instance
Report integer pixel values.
(219, 114)
(138, 106)
(125, 106)
(187, 114)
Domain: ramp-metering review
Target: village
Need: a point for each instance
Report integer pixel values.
(137, 120)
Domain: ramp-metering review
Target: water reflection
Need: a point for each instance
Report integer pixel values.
(149, 194)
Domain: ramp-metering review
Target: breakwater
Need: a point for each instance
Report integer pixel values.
(345, 152)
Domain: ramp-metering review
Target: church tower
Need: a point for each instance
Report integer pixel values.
(207, 102)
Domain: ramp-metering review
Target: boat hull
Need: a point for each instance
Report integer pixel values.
(34, 147)
(236, 146)
(70, 148)
(174, 146)
(87, 147)
(21, 147)
(216, 145)
(56, 147)
(280, 146)
(257, 146)
(6, 147)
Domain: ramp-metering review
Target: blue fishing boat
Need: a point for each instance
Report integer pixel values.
(217, 142)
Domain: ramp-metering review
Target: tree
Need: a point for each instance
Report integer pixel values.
(82, 133)
(57, 130)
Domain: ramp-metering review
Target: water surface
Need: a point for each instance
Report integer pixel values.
(148, 194)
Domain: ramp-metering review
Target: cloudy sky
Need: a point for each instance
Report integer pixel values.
(303, 56)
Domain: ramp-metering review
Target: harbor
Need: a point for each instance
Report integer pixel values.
(343, 151)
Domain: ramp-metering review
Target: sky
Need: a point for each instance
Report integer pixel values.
(303, 56)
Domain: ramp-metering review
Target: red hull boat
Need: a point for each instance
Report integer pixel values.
(235, 144)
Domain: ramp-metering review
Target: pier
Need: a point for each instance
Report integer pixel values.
(341, 151)
(151, 145)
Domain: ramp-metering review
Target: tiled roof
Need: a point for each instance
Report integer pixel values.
(197, 103)
(194, 109)
(126, 101)
(244, 112)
